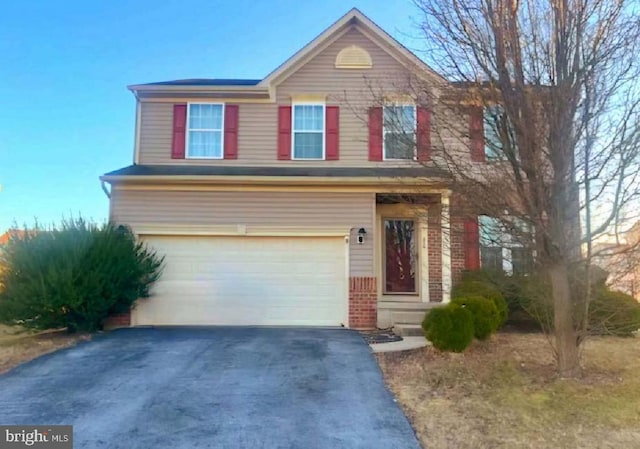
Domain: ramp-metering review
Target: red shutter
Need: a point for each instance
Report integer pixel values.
(284, 132)
(476, 133)
(333, 133)
(471, 244)
(231, 131)
(424, 134)
(375, 134)
(179, 131)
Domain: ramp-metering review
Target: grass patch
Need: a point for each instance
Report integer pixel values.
(18, 345)
(503, 393)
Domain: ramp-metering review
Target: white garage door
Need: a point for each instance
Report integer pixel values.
(247, 281)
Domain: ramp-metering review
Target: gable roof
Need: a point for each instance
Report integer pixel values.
(339, 27)
(354, 17)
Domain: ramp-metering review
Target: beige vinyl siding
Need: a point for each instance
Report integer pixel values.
(319, 74)
(257, 133)
(288, 209)
(156, 132)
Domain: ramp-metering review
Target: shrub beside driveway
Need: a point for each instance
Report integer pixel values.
(502, 394)
(74, 276)
(17, 345)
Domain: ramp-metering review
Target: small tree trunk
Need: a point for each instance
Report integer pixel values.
(566, 337)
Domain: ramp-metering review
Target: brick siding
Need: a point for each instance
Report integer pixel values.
(363, 301)
(120, 320)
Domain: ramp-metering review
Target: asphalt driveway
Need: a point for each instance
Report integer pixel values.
(211, 388)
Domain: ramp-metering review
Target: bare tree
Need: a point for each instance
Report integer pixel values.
(559, 79)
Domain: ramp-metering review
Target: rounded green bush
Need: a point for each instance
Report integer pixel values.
(486, 319)
(614, 313)
(449, 328)
(479, 288)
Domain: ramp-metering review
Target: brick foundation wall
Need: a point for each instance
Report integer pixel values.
(363, 301)
(120, 320)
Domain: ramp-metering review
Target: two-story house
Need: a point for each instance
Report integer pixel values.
(289, 200)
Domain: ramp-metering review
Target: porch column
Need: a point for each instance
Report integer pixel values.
(446, 246)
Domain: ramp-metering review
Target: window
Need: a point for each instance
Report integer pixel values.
(497, 132)
(491, 258)
(491, 244)
(492, 140)
(204, 130)
(501, 250)
(521, 260)
(399, 131)
(308, 131)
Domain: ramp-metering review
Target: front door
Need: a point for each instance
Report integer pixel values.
(400, 257)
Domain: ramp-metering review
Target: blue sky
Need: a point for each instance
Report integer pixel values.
(66, 116)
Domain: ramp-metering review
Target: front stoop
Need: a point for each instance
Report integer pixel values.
(405, 317)
(408, 330)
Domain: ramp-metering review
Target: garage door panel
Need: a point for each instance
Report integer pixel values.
(247, 280)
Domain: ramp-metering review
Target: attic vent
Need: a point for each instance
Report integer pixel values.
(353, 57)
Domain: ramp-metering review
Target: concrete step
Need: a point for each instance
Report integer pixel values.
(408, 316)
(403, 312)
(408, 330)
(407, 305)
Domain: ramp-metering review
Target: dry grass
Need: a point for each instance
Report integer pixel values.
(503, 394)
(18, 345)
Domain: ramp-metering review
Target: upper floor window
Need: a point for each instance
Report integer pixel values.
(308, 131)
(399, 132)
(498, 133)
(205, 124)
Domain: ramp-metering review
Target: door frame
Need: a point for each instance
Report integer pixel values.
(417, 213)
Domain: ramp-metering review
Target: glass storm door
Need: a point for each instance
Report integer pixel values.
(400, 252)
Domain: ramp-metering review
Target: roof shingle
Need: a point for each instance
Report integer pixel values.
(205, 82)
(209, 170)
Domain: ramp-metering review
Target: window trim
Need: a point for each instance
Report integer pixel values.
(506, 244)
(493, 156)
(415, 132)
(293, 130)
(188, 129)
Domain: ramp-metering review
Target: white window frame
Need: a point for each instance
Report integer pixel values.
(188, 129)
(293, 130)
(497, 155)
(502, 237)
(506, 243)
(385, 131)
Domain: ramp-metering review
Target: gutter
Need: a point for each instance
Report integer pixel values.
(200, 89)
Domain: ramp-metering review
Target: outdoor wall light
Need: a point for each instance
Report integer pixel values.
(361, 234)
